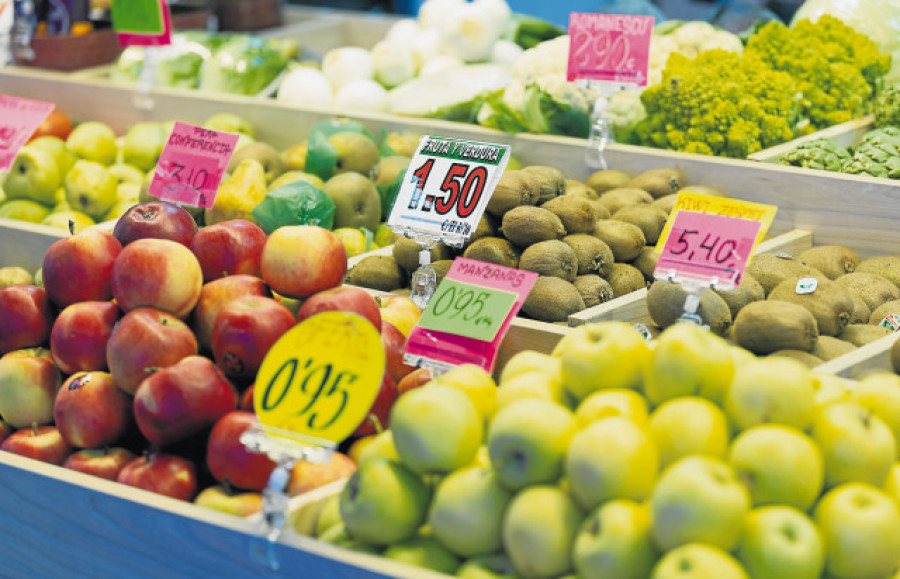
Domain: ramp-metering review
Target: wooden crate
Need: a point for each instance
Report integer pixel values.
(872, 358)
(24, 244)
(844, 135)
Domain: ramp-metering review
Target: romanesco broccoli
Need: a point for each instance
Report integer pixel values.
(887, 106)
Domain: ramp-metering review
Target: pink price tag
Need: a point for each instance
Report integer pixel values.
(191, 165)
(609, 47)
(446, 347)
(19, 118)
(708, 248)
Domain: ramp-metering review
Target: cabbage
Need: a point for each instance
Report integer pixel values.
(455, 95)
(243, 65)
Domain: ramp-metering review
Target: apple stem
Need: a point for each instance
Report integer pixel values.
(71, 227)
(34, 428)
(146, 455)
(226, 484)
(379, 427)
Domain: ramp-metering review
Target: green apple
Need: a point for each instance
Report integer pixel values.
(229, 123)
(467, 511)
(94, 141)
(33, 176)
(613, 402)
(339, 536)
(688, 360)
(532, 385)
(689, 425)
(128, 191)
(494, 566)
(698, 561)
(219, 498)
(329, 514)
(781, 542)
(91, 189)
(423, 551)
(304, 519)
(143, 143)
(384, 502)
(741, 356)
(612, 458)
(292, 176)
(527, 442)
(24, 210)
(57, 148)
(39, 277)
(602, 355)
(528, 361)
(699, 499)
(15, 275)
(615, 541)
(539, 530)
(381, 446)
(476, 383)
(62, 219)
(126, 173)
(771, 389)
(860, 526)
(779, 465)
(829, 388)
(855, 444)
(880, 394)
(892, 485)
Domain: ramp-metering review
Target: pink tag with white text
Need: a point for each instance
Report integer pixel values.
(609, 47)
(19, 118)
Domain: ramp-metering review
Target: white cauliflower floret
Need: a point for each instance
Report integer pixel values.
(547, 58)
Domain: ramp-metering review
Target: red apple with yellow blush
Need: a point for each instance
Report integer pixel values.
(229, 248)
(79, 336)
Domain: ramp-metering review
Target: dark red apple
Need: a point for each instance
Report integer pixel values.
(26, 317)
(228, 248)
(244, 331)
(343, 299)
(246, 401)
(182, 399)
(394, 341)
(103, 462)
(78, 268)
(43, 443)
(229, 460)
(214, 295)
(379, 413)
(165, 474)
(79, 336)
(90, 411)
(156, 219)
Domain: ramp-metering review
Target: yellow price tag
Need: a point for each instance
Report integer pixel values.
(719, 206)
(321, 377)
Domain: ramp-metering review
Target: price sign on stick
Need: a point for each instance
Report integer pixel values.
(719, 206)
(141, 22)
(19, 118)
(609, 47)
(191, 165)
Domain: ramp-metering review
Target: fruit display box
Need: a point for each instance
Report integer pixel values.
(843, 135)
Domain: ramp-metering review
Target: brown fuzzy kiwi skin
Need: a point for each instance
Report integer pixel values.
(881, 312)
(527, 224)
(767, 326)
(887, 266)
(606, 179)
(895, 357)
(645, 262)
(808, 359)
(516, 187)
(770, 269)
(441, 267)
(615, 199)
(379, 272)
(487, 227)
(861, 312)
(579, 189)
(862, 334)
(665, 304)
(552, 300)
(747, 291)
(594, 256)
(649, 219)
(626, 240)
(873, 289)
(665, 203)
(829, 303)
(494, 250)
(829, 348)
(594, 289)
(659, 182)
(553, 182)
(577, 214)
(406, 253)
(832, 260)
(550, 258)
(625, 278)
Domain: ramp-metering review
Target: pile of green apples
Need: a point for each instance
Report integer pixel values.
(616, 457)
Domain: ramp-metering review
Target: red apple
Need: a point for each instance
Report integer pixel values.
(57, 124)
(145, 340)
(182, 399)
(165, 474)
(42, 443)
(415, 379)
(239, 504)
(300, 260)
(345, 298)
(306, 476)
(79, 268)
(155, 219)
(90, 411)
(379, 413)
(399, 310)
(244, 330)
(103, 462)
(79, 336)
(394, 341)
(157, 273)
(26, 317)
(229, 460)
(229, 248)
(246, 401)
(214, 295)
(28, 383)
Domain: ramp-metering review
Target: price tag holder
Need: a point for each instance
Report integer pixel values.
(141, 22)
(465, 321)
(713, 205)
(609, 47)
(191, 165)
(19, 118)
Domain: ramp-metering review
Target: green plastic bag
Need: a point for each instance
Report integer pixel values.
(321, 155)
(296, 203)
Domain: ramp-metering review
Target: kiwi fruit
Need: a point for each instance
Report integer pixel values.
(829, 303)
(615, 199)
(514, 188)
(441, 267)
(665, 304)
(881, 312)
(808, 359)
(887, 266)
(747, 291)
(594, 256)
(594, 289)
(606, 179)
(767, 326)
(770, 269)
(527, 224)
(551, 258)
(862, 334)
(659, 182)
(645, 262)
(552, 300)
(832, 260)
(895, 357)
(626, 240)
(406, 253)
(552, 182)
(494, 250)
(649, 219)
(579, 189)
(872, 288)
(829, 348)
(702, 190)
(861, 312)
(577, 214)
(625, 279)
(380, 272)
(665, 203)
(486, 227)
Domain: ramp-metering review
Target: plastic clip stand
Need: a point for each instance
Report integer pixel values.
(142, 99)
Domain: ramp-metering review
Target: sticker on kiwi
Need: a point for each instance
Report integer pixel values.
(891, 322)
(807, 285)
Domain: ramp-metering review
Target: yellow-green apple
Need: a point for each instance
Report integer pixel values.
(93, 140)
(527, 442)
(528, 361)
(829, 388)
(91, 188)
(436, 429)
(477, 384)
(182, 399)
(300, 260)
(539, 529)
(698, 499)
(467, 511)
(338, 536)
(42, 443)
(345, 298)
(15, 275)
(90, 411)
(891, 486)
(228, 248)
(26, 317)
(57, 124)
(162, 473)
(614, 541)
(229, 460)
(860, 526)
(379, 413)
(103, 462)
(771, 389)
(779, 465)
(602, 355)
(23, 210)
(394, 342)
(213, 297)
(400, 311)
(79, 336)
(306, 476)
(880, 394)
(856, 445)
(126, 173)
(384, 502)
(374, 446)
(626, 468)
(79, 268)
(688, 425)
(613, 402)
(157, 273)
(28, 383)
(155, 219)
(329, 514)
(34, 175)
(493, 566)
(229, 123)
(57, 148)
(69, 220)
(239, 504)
(688, 360)
(243, 332)
(533, 385)
(415, 379)
(698, 561)
(143, 142)
(305, 518)
(144, 340)
(423, 551)
(781, 542)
